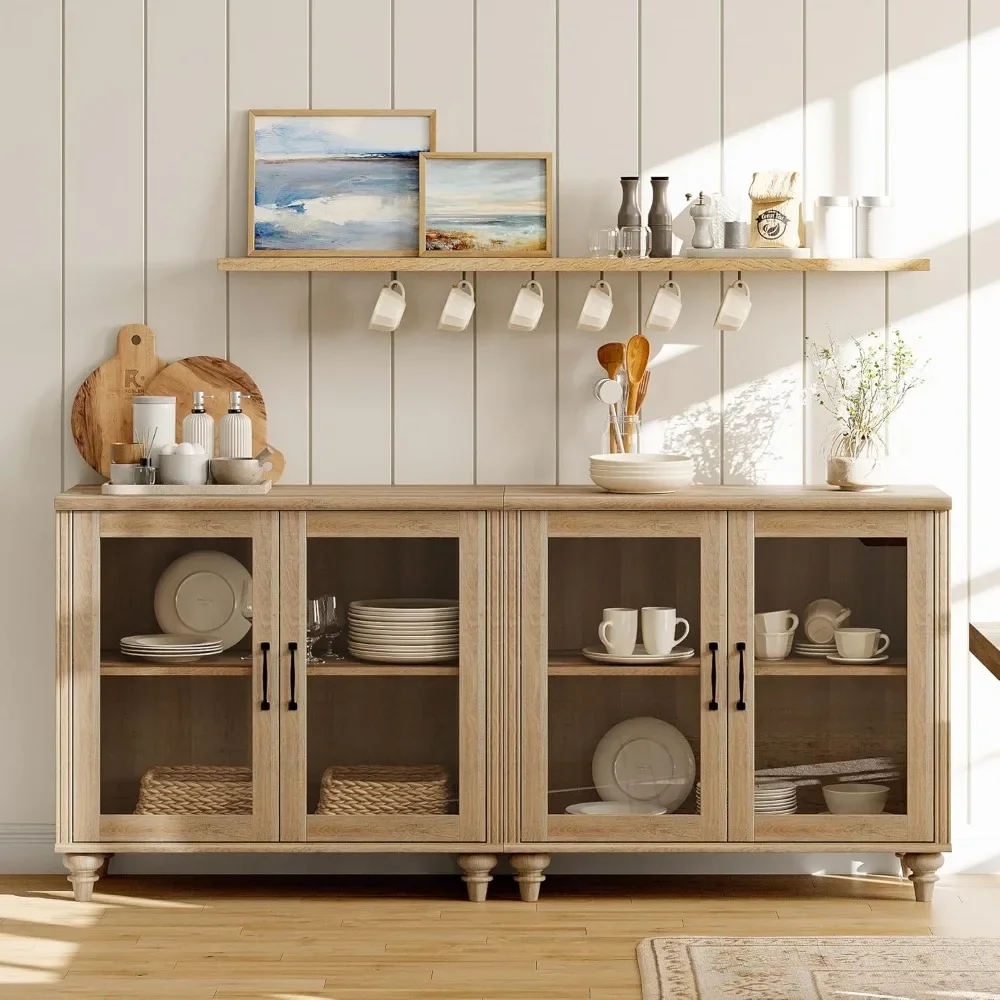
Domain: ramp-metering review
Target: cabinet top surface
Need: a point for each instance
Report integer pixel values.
(404, 498)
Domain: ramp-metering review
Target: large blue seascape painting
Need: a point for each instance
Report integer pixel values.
(337, 183)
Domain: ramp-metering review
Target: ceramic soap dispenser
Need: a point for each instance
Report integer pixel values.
(235, 431)
(199, 426)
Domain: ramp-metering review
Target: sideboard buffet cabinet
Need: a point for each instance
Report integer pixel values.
(256, 749)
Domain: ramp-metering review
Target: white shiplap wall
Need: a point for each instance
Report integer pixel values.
(124, 175)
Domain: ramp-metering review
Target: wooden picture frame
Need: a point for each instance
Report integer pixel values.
(280, 240)
(467, 242)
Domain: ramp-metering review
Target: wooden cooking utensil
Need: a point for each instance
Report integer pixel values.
(217, 377)
(611, 357)
(102, 410)
(636, 359)
(643, 389)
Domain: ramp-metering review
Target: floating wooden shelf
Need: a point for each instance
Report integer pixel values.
(113, 664)
(579, 264)
(824, 668)
(354, 668)
(572, 664)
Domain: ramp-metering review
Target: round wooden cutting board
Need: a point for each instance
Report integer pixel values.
(216, 377)
(102, 409)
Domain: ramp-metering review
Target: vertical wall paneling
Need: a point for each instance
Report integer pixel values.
(103, 183)
(762, 369)
(682, 140)
(515, 372)
(434, 395)
(31, 315)
(598, 143)
(186, 176)
(845, 154)
(269, 313)
(351, 365)
(928, 96)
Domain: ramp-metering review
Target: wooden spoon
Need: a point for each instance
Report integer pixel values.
(636, 359)
(611, 357)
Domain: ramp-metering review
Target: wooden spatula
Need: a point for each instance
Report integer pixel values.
(636, 359)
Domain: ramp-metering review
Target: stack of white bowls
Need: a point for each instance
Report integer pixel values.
(641, 473)
(403, 630)
(774, 632)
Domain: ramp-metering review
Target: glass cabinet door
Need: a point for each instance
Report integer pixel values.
(174, 736)
(831, 677)
(382, 711)
(627, 750)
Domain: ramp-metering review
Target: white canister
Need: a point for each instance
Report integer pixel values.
(833, 226)
(154, 415)
(876, 236)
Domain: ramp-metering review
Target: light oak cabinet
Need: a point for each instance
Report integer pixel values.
(515, 721)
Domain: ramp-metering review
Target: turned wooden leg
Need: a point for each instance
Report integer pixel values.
(528, 874)
(904, 872)
(105, 869)
(923, 873)
(477, 877)
(84, 871)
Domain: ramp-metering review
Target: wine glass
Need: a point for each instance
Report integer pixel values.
(333, 622)
(315, 625)
(246, 609)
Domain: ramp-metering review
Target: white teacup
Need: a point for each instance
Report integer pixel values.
(659, 630)
(735, 307)
(860, 643)
(528, 307)
(666, 307)
(773, 645)
(822, 618)
(775, 621)
(597, 307)
(389, 308)
(618, 629)
(458, 307)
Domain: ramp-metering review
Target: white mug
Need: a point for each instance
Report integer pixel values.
(458, 307)
(528, 307)
(597, 306)
(775, 621)
(617, 630)
(666, 307)
(861, 643)
(389, 307)
(822, 617)
(659, 630)
(735, 307)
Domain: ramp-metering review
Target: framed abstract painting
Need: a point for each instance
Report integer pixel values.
(336, 183)
(486, 204)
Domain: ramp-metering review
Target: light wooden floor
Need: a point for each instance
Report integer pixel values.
(399, 939)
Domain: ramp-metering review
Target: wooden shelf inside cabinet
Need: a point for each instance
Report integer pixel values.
(578, 264)
(574, 665)
(356, 668)
(823, 668)
(115, 665)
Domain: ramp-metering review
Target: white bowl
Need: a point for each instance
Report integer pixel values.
(855, 798)
(617, 484)
(239, 471)
(642, 460)
(179, 469)
(773, 645)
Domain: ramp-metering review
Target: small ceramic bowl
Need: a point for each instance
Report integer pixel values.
(239, 471)
(179, 469)
(773, 645)
(855, 798)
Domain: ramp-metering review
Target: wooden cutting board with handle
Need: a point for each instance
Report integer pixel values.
(102, 409)
(216, 377)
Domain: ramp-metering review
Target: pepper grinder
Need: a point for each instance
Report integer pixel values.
(703, 215)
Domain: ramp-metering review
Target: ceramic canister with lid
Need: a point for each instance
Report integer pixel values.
(876, 236)
(154, 418)
(833, 226)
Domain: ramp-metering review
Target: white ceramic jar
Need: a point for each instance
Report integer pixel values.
(876, 224)
(199, 426)
(154, 415)
(235, 431)
(833, 226)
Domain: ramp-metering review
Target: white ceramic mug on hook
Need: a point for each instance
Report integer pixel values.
(618, 629)
(389, 307)
(735, 307)
(458, 307)
(666, 307)
(596, 307)
(528, 307)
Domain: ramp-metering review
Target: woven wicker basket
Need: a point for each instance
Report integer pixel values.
(367, 790)
(196, 789)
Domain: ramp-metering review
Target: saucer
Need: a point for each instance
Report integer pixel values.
(639, 655)
(859, 659)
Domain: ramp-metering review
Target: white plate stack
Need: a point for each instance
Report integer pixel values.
(403, 630)
(641, 473)
(815, 650)
(774, 798)
(170, 648)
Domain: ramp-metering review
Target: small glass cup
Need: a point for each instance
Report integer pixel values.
(604, 242)
(633, 241)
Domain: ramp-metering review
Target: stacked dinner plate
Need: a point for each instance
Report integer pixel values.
(651, 473)
(403, 630)
(774, 798)
(815, 650)
(170, 648)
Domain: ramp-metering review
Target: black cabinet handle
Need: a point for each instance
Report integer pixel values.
(713, 705)
(293, 705)
(265, 705)
(741, 705)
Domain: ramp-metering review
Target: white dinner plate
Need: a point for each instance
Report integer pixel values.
(615, 809)
(200, 593)
(644, 760)
(170, 650)
(163, 658)
(163, 641)
(403, 658)
(859, 659)
(600, 655)
(403, 633)
(402, 607)
(405, 650)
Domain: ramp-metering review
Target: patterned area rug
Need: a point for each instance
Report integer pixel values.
(819, 968)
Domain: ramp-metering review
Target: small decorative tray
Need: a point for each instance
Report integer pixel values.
(161, 490)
